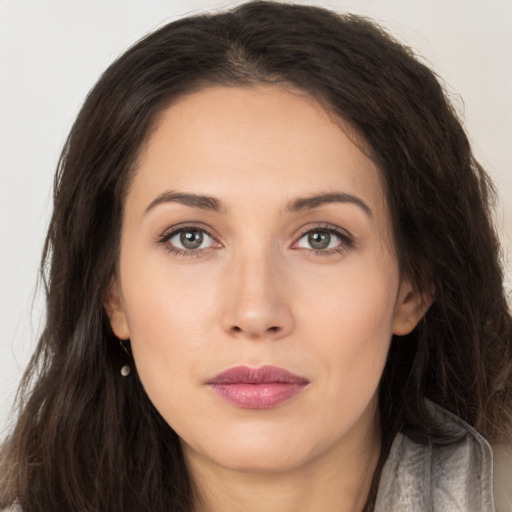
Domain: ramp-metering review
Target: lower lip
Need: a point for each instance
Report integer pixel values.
(257, 396)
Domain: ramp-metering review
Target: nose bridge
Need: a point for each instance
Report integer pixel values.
(258, 303)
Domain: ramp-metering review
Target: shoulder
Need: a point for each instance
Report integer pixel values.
(457, 475)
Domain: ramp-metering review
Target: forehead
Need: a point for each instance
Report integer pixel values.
(266, 142)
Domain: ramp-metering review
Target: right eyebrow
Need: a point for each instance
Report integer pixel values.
(193, 200)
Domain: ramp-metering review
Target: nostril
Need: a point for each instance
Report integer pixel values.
(273, 330)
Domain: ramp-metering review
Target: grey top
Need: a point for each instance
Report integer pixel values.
(455, 477)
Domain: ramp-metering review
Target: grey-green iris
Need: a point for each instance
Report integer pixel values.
(319, 239)
(191, 239)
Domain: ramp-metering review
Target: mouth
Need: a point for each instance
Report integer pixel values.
(257, 388)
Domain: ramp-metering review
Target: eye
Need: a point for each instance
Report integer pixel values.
(326, 240)
(188, 240)
(191, 239)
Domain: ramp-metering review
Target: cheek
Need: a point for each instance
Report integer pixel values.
(166, 323)
(351, 321)
(164, 350)
(170, 313)
(355, 299)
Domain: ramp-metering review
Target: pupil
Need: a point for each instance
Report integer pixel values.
(319, 240)
(191, 239)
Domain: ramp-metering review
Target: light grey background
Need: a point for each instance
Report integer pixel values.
(52, 52)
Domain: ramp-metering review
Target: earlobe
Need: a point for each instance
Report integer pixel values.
(410, 308)
(115, 311)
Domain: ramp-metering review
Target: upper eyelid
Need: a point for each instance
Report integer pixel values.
(173, 230)
(323, 227)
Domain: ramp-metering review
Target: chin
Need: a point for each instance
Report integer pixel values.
(262, 461)
(248, 450)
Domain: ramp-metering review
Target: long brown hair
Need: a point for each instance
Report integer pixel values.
(88, 440)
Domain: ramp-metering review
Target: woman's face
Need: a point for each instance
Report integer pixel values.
(256, 234)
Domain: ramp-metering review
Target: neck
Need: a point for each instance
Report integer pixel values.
(338, 480)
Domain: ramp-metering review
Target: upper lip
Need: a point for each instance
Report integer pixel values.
(261, 375)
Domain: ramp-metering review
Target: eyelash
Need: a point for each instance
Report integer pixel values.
(346, 240)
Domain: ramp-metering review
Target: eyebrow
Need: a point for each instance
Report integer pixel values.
(308, 203)
(201, 202)
(299, 204)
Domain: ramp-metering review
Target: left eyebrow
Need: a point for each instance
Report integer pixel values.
(308, 203)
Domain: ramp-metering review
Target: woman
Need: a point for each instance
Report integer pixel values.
(272, 283)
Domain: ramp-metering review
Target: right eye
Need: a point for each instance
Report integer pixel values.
(188, 240)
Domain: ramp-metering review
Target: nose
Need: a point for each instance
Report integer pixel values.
(258, 302)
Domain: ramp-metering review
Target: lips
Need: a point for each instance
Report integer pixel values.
(257, 388)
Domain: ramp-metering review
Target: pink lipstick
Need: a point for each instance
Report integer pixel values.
(257, 388)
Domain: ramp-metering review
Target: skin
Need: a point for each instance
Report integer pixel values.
(256, 293)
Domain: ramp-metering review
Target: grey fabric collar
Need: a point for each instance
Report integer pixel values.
(433, 477)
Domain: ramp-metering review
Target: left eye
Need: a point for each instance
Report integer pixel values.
(320, 239)
(190, 239)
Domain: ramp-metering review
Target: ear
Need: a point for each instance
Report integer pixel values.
(115, 311)
(411, 306)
